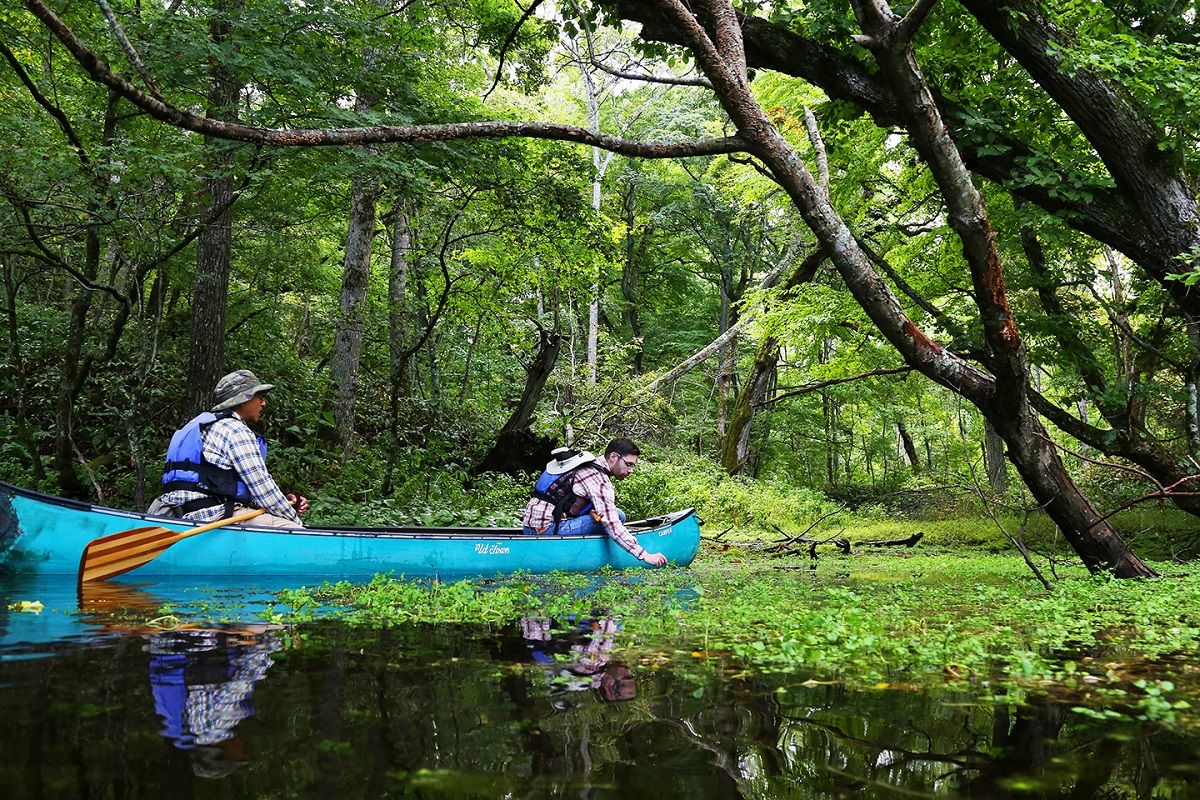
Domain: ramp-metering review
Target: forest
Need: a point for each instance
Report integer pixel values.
(938, 257)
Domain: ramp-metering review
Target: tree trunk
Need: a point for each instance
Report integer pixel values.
(600, 161)
(76, 364)
(399, 326)
(1162, 220)
(537, 373)
(1126, 436)
(19, 379)
(356, 274)
(635, 247)
(516, 448)
(761, 377)
(993, 458)
(206, 356)
(909, 448)
(736, 450)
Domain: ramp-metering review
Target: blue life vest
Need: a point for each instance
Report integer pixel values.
(186, 468)
(559, 491)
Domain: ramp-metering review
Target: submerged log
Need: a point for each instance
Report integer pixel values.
(906, 542)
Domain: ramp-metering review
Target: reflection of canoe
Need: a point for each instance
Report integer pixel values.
(128, 610)
(101, 611)
(46, 535)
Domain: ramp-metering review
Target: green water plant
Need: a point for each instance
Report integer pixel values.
(869, 619)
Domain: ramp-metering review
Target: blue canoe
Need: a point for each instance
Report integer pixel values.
(45, 535)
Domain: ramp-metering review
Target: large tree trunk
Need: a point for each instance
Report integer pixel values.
(206, 356)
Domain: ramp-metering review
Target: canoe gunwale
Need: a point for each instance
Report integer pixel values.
(637, 527)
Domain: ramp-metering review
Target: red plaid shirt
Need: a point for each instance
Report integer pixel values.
(595, 485)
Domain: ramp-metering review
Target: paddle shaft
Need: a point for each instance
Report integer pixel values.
(121, 552)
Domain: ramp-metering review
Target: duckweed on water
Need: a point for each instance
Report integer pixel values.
(882, 619)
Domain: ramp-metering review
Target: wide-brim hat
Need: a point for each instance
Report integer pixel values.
(238, 387)
(566, 459)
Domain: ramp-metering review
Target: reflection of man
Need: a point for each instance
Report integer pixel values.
(580, 656)
(202, 682)
(617, 684)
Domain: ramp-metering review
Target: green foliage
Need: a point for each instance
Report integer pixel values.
(388, 599)
(720, 500)
(966, 617)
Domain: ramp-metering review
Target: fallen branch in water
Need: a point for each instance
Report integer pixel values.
(906, 542)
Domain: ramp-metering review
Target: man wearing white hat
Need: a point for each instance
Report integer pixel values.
(217, 465)
(575, 496)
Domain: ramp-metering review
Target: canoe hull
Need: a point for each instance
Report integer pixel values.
(41, 534)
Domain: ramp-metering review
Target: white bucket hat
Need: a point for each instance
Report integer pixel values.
(566, 459)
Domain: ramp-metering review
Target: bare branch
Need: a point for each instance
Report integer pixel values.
(599, 64)
(512, 36)
(648, 78)
(812, 387)
(814, 137)
(914, 18)
(134, 58)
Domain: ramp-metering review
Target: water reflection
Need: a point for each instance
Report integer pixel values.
(524, 711)
(578, 656)
(202, 681)
(201, 676)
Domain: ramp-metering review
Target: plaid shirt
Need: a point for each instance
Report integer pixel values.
(595, 485)
(230, 444)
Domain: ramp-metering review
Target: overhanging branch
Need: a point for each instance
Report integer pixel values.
(101, 73)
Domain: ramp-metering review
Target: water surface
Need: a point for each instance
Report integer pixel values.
(101, 704)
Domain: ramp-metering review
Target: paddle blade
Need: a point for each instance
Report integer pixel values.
(118, 553)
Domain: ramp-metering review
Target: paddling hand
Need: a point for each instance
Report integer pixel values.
(654, 559)
(299, 502)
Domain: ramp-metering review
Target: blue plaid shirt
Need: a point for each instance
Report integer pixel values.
(230, 444)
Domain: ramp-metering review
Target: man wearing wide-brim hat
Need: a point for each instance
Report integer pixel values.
(216, 465)
(575, 496)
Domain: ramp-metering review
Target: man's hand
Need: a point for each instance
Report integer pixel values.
(654, 559)
(299, 502)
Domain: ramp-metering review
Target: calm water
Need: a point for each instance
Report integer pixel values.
(95, 707)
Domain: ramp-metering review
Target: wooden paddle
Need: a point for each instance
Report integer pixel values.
(120, 552)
